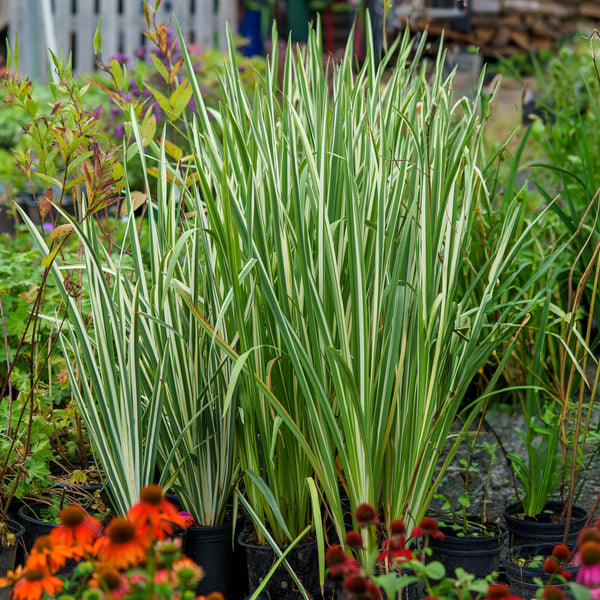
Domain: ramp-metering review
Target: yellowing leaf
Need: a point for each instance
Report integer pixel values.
(172, 150)
(154, 172)
(137, 200)
(61, 231)
(180, 97)
(148, 128)
(117, 73)
(49, 258)
(160, 67)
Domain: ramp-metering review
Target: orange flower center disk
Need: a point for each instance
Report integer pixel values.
(120, 531)
(590, 554)
(72, 516)
(152, 494)
(34, 574)
(110, 578)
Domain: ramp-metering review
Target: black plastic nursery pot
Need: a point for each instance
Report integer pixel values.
(303, 559)
(521, 577)
(478, 555)
(8, 555)
(545, 528)
(34, 526)
(63, 474)
(27, 201)
(223, 560)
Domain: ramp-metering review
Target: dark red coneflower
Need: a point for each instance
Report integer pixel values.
(354, 539)
(499, 591)
(561, 552)
(397, 527)
(428, 527)
(356, 584)
(365, 515)
(551, 592)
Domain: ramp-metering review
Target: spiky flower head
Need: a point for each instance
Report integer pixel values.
(552, 592)
(590, 553)
(397, 527)
(354, 539)
(428, 527)
(188, 572)
(365, 515)
(561, 552)
(356, 584)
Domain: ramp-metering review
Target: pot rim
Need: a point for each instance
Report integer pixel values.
(578, 513)
(267, 547)
(532, 550)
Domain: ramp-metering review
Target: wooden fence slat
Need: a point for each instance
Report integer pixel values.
(121, 32)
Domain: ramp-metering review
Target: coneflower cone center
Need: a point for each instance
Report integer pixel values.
(120, 531)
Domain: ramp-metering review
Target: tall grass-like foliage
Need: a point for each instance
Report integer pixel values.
(344, 218)
(104, 367)
(148, 379)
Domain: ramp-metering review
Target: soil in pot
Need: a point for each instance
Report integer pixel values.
(477, 552)
(524, 564)
(545, 528)
(217, 551)
(303, 559)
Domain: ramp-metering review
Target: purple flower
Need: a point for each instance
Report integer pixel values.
(141, 52)
(192, 106)
(48, 226)
(189, 520)
(121, 58)
(120, 130)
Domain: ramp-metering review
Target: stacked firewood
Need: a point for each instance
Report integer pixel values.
(508, 27)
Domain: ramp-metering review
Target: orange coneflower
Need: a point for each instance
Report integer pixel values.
(48, 554)
(11, 577)
(110, 581)
(123, 545)
(154, 514)
(76, 528)
(34, 582)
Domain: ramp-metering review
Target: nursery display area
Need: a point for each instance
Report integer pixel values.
(294, 327)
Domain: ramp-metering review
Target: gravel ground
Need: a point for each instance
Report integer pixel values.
(492, 485)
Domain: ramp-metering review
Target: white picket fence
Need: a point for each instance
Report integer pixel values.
(71, 24)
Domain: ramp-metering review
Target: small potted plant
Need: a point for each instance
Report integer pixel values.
(555, 431)
(470, 540)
